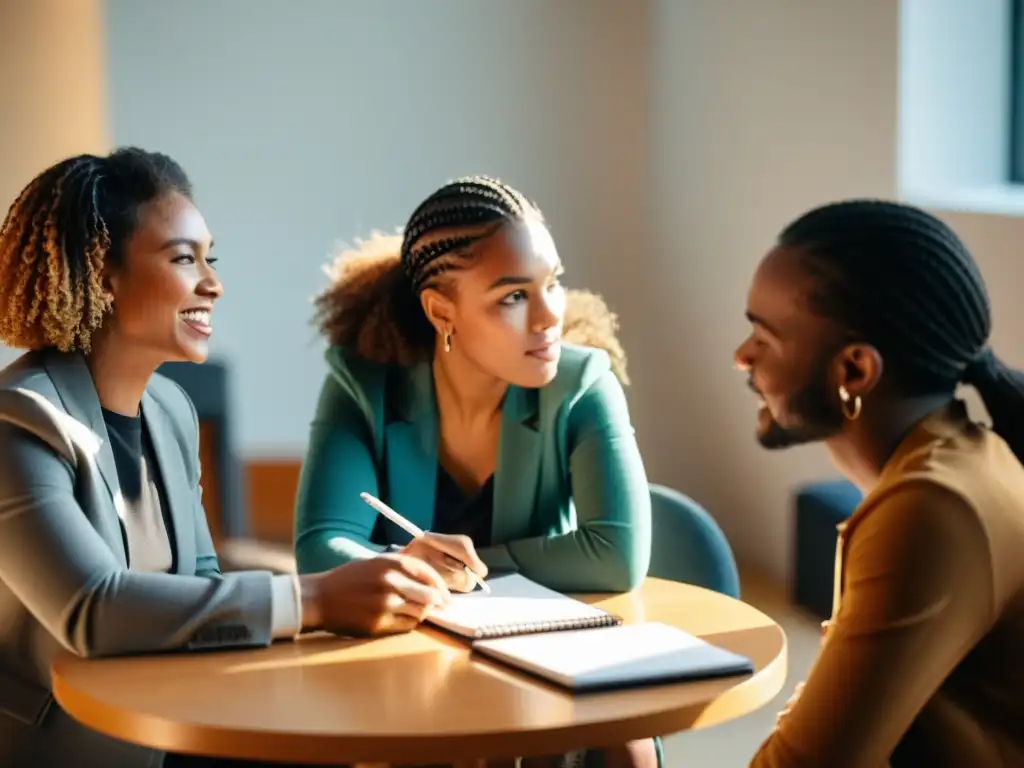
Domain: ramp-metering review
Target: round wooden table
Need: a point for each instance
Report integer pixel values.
(414, 698)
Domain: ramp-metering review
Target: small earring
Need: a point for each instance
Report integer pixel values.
(447, 341)
(850, 410)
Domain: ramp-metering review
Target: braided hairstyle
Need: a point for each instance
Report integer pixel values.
(446, 224)
(372, 304)
(68, 225)
(901, 280)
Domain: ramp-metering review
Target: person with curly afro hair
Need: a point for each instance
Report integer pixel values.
(472, 392)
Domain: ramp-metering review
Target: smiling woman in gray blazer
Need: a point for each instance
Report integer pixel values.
(106, 272)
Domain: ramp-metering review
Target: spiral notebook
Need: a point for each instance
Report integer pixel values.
(517, 606)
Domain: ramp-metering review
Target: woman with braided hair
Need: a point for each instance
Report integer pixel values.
(483, 401)
(866, 316)
(107, 272)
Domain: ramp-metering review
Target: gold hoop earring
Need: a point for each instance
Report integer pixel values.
(851, 405)
(447, 341)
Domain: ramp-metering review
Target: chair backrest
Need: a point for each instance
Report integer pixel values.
(688, 546)
(207, 385)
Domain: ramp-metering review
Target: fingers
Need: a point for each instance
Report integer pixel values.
(440, 561)
(451, 570)
(398, 605)
(454, 572)
(421, 575)
(462, 550)
(406, 603)
(458, 579)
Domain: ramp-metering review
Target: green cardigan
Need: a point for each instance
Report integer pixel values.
(572, 506)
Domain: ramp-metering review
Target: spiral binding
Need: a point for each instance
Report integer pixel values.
(509, 630)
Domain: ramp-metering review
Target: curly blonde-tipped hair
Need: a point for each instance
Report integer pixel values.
(370, 307)
(64, 229)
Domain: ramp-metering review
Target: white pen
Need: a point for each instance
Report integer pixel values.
(417, 533)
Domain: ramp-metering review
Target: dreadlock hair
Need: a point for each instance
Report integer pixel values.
(901, 280)
(67, 226)
(372, 304)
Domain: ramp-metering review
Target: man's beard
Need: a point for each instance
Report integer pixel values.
(813, 412)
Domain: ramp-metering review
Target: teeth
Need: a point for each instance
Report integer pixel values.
(197, 316)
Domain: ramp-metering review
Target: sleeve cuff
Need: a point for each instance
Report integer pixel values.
(285, 607)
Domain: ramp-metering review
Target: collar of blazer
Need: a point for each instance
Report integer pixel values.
(74, 385)
(412, 395)
(400, 405)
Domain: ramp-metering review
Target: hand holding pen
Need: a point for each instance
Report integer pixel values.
(453, 557)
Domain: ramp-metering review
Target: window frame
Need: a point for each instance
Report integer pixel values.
(1016, 170)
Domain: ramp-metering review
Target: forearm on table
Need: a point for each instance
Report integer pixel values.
(128, 613)
(585, 560)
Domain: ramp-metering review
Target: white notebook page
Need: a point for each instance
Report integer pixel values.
(514, 601)
(632, 653)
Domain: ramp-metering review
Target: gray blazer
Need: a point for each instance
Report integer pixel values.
(65, 580)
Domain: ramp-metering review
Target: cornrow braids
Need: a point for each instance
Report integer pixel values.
(446, 224)
(373, 301)
(372, 304)
(900, 279)
(66, 227)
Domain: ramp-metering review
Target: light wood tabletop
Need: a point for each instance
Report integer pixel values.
(420, 697)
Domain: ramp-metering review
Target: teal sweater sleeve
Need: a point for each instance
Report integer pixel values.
(332, 525)
(610, 550)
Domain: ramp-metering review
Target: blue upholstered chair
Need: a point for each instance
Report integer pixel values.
(820, 507)
(688, 546)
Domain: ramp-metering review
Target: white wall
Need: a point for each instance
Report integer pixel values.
(681, 136)
(307, 123)
(765, 110)
(52, 90)
(762, 111)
